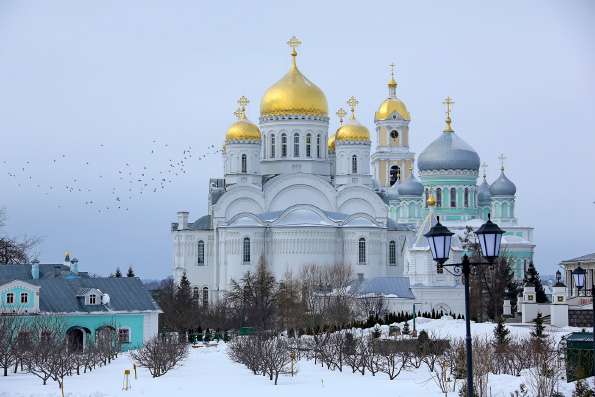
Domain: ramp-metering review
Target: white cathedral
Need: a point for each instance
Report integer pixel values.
(295, 194)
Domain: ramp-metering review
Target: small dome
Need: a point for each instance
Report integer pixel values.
(502, 186)
(411, 187)
(390, 106)
(242, 130)
(331, 144)
(352, 130)
(483, 193)
(448, 152)
(293, 94)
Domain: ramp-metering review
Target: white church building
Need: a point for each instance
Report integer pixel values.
(294, 193)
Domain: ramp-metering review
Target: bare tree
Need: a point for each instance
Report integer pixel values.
(10, 327)
(159, 355)
(14, 250)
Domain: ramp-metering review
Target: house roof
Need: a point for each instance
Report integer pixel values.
(386, 286)
(584, 258)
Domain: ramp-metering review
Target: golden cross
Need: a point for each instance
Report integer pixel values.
(243, 102)
(392, 70)
(294, 43)
(352, 102)
(239, 113)
(341, 113)
(448, 102)
(502, 158)
(485, 167)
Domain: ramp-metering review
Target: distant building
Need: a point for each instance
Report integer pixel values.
(86, 306)
(587, 262)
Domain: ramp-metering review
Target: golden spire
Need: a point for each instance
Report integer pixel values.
(448, 102)
(352, 102)
(293, 43)
(341, 114)
(502, 158)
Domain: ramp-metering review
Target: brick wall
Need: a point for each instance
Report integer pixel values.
(580, 318)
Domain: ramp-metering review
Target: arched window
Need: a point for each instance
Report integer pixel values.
(309, 145)
(10, 298)
(246, 250)
(201, 252)
(244, 164)
(466, 198)
(283, 145)
(272, 146)
(453, 197)
(354, 164)
(318, 145)
(395, 174)
(296, 145)
(392, 253)
(361, 251)
(195, 293)
(205, 296)
(439, 197)
(394, 135)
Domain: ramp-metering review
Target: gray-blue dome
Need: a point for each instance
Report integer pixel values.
(411, 187)
(483, 193)
(448, 152)
(503, 186)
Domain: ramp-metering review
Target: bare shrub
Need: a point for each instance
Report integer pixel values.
(159, 355)
(545, 374)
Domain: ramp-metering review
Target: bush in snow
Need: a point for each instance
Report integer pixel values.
(159, 355)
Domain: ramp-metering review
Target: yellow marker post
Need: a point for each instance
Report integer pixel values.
(126, 384)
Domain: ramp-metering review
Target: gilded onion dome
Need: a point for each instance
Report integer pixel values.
(352, 130)
(294, 93)
(243, 129)
(392, 104)
(331, 144)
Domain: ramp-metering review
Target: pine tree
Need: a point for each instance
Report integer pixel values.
(130, 272)
(539, 327)
(406, 328)
(118, 273)
(501, 334)
(532, 276)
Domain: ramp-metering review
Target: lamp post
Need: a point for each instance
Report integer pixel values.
(579, 280)
(439, 239)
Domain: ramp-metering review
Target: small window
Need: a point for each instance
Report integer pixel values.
(394, 134)
(124, 335)
(9, 298)
(439, 197)
(453, 197)
(392, 253)
(205, 296)
(362, 251)
(283, 145)
(272, 146)
(466, 198)
(318, 145)
(354, 164)
(395, 174)
(296, 145)
(244, 164)
(308, 145)
(24, 297)
(246, 250)
(92, 299)
(201, 252)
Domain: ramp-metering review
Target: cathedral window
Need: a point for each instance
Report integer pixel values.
(354, 164)
(283, 145)
(308, 145)
(466, 198)
(362, 251)
(439, 197)
(205, 296)
(395, 174)
(453, 197)
(272, 146)
(296, 145)
(246, 250)
(318, 145)
(392, 253)
(244, 164)
(201, 252)
(394, 135)
(195, 293)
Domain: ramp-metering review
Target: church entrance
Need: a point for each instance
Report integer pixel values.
(76, 339)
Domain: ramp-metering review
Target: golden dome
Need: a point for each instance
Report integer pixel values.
(390, 106)
(331, 143)
(352, 130)
(431, 201)
(294, 93)
(243, 129)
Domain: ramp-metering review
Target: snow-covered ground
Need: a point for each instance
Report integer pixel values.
(208, 371)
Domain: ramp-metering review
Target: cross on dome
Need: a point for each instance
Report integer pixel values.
(392, 70)
(341, 113)
(239, 113)
(502, 158)
(243, 102)
(352, 102)
(448, 102)
(294, 43)
(484, 167)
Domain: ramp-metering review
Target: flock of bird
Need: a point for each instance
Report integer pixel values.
(129, 181)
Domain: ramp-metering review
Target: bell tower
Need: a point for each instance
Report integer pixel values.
(392, 159)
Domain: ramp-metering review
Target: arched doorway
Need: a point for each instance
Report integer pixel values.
(76, 337)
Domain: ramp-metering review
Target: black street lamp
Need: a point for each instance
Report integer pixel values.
(439, 239)
(579, 280)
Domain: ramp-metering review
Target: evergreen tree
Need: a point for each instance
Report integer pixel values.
(184, 304)
(118, 273)
(532, 277)
(130, 272)
(406, 328)
(539, 327)
(501, 334)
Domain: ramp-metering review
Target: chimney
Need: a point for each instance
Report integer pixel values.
(66, 259)
(74, 266)
(182, 220)
(35, 269)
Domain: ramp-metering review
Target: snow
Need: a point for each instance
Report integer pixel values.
(209, 371)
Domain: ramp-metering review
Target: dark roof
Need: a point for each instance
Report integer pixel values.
(388, 285)
(46, 270)
(584, 258)
(202, 223)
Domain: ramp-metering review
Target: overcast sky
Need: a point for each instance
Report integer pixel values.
(89, 87)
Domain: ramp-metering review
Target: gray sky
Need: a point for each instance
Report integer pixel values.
(77, 75)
